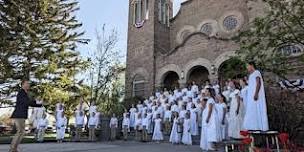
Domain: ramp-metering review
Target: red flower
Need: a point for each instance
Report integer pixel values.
(244, 133)
(283, 138)
(247, 141)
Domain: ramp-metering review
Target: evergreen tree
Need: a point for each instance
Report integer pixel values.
(39, 42)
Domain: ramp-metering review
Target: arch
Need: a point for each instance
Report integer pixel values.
(233, 68)
(199, 74)
(214, 25)
(161, 73)
(140, 71)
(181, 34)
(223, 57)
(200, 61)
(170, 80)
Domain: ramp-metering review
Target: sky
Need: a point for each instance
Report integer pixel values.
(114, 13)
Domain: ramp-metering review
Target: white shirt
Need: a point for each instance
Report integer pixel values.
(79, 120)
(168, 114)
(114, 122)
(126, 122)
(61, 122)
(93, 121)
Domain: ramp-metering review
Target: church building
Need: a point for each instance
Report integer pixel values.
(166, 51)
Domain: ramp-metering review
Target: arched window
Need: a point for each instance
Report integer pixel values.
(291, 49)
(138, 86)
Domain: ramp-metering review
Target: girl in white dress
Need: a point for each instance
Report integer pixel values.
(186, 138)
(132, 116)
(183, 112)
(221, 109)
(209, 121)
(235, 113)
(157, 134)
(244, 93)
(174, 136)
(59, 110)
(193, 120)
(61, 124)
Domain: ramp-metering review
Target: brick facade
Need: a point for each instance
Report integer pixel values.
(156, 49)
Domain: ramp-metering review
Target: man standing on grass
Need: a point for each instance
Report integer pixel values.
(20, 113)
(256, 111)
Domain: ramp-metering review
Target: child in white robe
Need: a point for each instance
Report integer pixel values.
(157, 134)
(235, 113)
(174, 136)
(167, 120)
(186, 138)
(61, 124)
(113, 125)
(193, 120)
(145, 127)
(126, 126)
(222, 110)
(93, 124)
(132, 111)
(209, 122)
(183, 112)
(41, 126)
(150, 126)
(138, 127)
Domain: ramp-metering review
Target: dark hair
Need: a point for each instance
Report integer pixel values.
(23, 81)
(252, 63)
(212, 92)
(224, 98)
(245, 81)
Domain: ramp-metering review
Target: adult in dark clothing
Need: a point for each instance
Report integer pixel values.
(20, 114)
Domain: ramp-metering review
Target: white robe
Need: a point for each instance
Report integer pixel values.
(209, 132)
(256, 112)
(186, 138)
(157, 133)
(132, 117)
(193, 122)
(243, 95)
(174, 136)
(235, 121)
(61, 125)
(222, 128)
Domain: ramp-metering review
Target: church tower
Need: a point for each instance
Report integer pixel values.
(148, 35)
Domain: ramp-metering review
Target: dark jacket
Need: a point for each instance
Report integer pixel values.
(22, 105)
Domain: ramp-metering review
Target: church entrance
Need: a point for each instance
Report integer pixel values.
(170, 80)
(233, 69)
(199, 74)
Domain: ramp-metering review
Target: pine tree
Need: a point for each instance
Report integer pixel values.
(39, 42)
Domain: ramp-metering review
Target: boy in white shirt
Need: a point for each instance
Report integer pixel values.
(126, 126)
(79, 118)
(113, 126)
(93, 124)
(41, 127)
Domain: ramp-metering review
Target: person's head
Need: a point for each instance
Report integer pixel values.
(158, 116)
(192, 105)
(126, 110)
(25, 84)
(175, 114)
(93, 103)
(207, 82)
(193, 82)
(60, 106)
(210, 92)
(251, 66)
(243, 82)
(132, 106)
(188, 115)
(221, 98)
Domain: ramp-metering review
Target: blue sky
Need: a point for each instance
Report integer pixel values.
(114, 13)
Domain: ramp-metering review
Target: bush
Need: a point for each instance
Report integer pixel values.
(286, 112)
